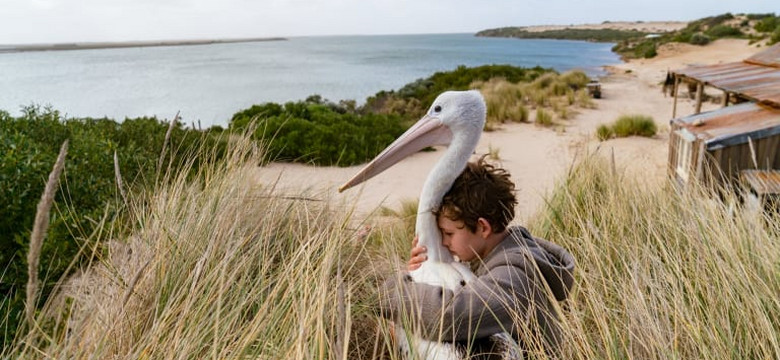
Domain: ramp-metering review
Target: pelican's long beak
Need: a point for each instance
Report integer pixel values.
(428, 131)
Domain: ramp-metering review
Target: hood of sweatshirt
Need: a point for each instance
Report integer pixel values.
(554, 263)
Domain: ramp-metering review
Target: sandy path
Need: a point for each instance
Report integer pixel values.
(536, 157)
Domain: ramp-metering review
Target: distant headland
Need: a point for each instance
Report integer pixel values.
(642, 39)
(125, 44)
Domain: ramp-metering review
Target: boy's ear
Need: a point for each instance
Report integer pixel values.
(484, 229)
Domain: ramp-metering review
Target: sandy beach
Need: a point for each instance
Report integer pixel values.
(536, 157)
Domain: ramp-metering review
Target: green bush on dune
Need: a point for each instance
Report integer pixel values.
(318, 132)
(28, 148)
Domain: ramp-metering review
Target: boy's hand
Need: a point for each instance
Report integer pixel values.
(417, 256)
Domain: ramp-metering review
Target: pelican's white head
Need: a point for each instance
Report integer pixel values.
(453, 114)
(460, 111)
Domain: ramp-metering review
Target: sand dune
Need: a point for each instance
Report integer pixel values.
(536, 157)
(650, 26)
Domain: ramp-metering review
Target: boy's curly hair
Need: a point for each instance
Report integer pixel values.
(481, 191)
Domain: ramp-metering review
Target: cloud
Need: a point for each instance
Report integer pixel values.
(28, 21)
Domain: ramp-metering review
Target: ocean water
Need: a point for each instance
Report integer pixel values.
(209, 83)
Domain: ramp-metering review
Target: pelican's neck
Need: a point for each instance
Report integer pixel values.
(437, 184)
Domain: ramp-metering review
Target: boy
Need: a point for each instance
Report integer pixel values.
(513, 269)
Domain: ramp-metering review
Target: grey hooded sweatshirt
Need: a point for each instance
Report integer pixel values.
(509, 294)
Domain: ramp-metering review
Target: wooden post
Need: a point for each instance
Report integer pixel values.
(675, 89)
(725, 99)
(699, 91)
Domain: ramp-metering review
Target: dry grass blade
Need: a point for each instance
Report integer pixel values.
(118, 176)
(40, 226)
(165, 142)
(133, 283)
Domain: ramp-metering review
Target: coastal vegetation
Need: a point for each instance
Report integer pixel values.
(198, 273)
(313, 130)
(627, 125)
(322, 132)
(596, 35)
(550, 93)
(412, 100)
(636, 44)
(701, 32)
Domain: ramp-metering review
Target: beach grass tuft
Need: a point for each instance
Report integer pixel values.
(628, 125)
(543, 118)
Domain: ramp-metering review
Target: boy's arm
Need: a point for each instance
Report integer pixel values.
(488, 305)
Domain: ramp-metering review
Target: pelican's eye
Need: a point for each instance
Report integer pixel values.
(437, 108)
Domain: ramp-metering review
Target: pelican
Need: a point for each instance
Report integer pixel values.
(455, 118)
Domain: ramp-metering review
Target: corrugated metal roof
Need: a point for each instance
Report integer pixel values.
(757, 82)
(762, 181)
(733, 125)
(768, 57)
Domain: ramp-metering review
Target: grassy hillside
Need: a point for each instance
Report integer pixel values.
(215, 266)
(636, 44)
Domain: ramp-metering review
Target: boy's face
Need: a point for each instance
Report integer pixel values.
(459, 240)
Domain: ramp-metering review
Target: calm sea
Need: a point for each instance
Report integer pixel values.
(211, 82)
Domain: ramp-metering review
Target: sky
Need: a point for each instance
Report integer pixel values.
(57, 21)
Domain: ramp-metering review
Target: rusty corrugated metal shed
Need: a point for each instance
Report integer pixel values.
(733, 125)
(756, 82)
(756, 78)
(762, 181)
(768, 57)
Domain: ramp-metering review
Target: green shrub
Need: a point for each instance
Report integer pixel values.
(767, 24)
(630, 125)
(28, 148)
(759, 16)
(319, 132)
(637, 48)
(775, 38)
(719, 31)
(646, 49)
(699, 39)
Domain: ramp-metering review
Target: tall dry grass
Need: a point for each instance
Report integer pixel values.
(664, 274)
(219, 266)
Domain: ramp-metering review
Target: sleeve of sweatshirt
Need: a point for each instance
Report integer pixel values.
(487, 305)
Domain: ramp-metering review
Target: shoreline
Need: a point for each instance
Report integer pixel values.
(125, 44)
